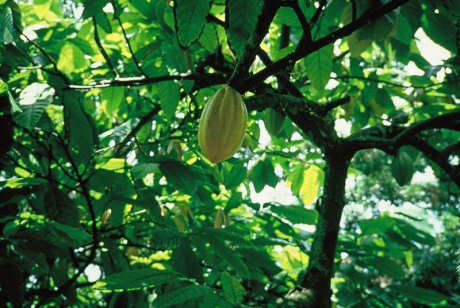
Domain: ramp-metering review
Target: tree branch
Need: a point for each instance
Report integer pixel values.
(118, 18)
(244, 63)
(318, 12)
(437, 157)
(47, 56)
(326, 40)
(147, 118)
(102, 50)
(388, 138)
(201, 78)
(391, 83)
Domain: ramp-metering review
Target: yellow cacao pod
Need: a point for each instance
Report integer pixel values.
(222, 125)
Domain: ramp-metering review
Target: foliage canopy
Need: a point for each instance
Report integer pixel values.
(106, 199)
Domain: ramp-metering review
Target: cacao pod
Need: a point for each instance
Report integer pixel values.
(402, 168)
(273, 121)
(222, 125)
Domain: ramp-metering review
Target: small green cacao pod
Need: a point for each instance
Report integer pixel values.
(273, 121)
(402, 168)
(222, 125)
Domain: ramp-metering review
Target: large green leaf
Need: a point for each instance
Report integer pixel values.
(263, 174)
(71, 59)
(169, 97)
(112, 98)
(233, 290)
(136, 278)
(75, 235)
(440, 29)
(296, 214)
(34, 100)
(79, 128)
(242, 18)
(386, 266)
(376, 225)
(7, 32)
(182, 295)
(230, 256)
(190, 19)
(180, 175)
(421, 295)
(318, 67)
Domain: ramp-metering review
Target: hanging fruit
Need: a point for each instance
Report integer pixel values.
(222, 125)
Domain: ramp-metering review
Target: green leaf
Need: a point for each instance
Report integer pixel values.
(440, 29)
(141, 170)
(312, 180)
(296, 214)
(402, 168)
(169, 97)
(186, 262)
(386, 266)
(34, 100)
(136, 278)
(208, 38)
(181, 295)
(79, 128)
(71, 59)
(233, 290)
(92, 8)
(420, 295)
(263, 174)
(318, 67)
(295, 179)
(230, 256)
(376, 225)
(6, 26)
(180, 175)
(413, 234)
(242, 16)
(190, 19)
(76, 235)
(111, 98)
(357, 45)
(236, 175)
(214, 301)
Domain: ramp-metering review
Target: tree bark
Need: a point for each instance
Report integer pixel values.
(320, 269)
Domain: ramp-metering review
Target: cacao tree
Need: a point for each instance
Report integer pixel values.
(351, 200)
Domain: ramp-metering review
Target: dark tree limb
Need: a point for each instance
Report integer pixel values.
(391, 138)
(437, 157)
(326, 40)
(319, 10)
(203, 79)
(388, 138)
(244, 63)
(317, 279)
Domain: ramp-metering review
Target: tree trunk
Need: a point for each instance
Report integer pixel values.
(320, 269)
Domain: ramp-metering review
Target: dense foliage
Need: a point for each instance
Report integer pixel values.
(351, 199)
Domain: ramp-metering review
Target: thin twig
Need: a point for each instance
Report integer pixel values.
(47, 56)
(144, 120)
(136, 62)
(102, 50)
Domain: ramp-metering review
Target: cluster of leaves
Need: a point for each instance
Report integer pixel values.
(105, 198)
